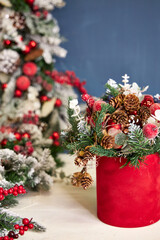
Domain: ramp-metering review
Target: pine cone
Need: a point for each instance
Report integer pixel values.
(76, 179)
(18, 20)
(9, 61)
(86, 180)
(107, 142)
(117, 101)
(34, 54)
(120, 117)
(80, 161)
(144, 113)
(131, 103)
(88, 155)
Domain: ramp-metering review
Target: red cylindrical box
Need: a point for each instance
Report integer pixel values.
(128, 197)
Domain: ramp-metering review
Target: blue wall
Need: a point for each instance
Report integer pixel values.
(107, 38)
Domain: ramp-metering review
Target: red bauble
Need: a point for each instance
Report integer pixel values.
(26, 135)
(25, 221)
(58, 102)
(26, 50)
(32, 44)
(4, 142)
(154, 107)
(147, 101)
(4, 85)
(43, 98)
(23, 83)
(97, 106)
(30, 69)
(17, 93)
(17, 136)
(55, 135)
(7, 42)
(150, 130)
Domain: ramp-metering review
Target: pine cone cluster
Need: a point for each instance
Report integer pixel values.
(9, 61)
(19, 21)
(107, 142)
(80, 161)
(117, 101)
(80, 179)
(144, 113)
(131, 103)
(120, 117)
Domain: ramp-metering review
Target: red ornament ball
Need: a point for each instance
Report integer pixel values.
(43, 98)
(30, 69)
(26, 50)
(32, 44)
(154, 107)
(150, 130)
(85, 97)
(17, 148)
(55, 135)
(17, 93)
(4, 142)
(58, 102)
(23, 83)
(56, 143)
(90, 102)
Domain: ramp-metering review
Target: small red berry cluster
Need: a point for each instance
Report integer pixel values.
(55, 137)
(68, 78)
(22, 229)
(31, 118)
(15, 191)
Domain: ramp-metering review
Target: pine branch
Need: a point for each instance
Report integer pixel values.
(100, 151)
(20, 5)
(112, 91)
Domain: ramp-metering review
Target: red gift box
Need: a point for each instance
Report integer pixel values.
(128, 197)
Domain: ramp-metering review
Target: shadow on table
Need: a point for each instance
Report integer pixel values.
(87, 198)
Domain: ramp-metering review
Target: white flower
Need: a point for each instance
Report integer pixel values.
(73, 103)
(112, 83)
(47, 56)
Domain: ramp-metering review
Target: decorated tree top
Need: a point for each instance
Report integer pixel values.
(125, 122)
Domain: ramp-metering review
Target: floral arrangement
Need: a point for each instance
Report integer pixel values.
(123, 123)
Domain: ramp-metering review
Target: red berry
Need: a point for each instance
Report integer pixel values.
(55, 135)
(25, 228)
(147, 101)
(23, 191)
(26, 50)
(44, 98)
(30, 69)
(16, 226)
(38, 14)
(32, 43)
(17, 93)
(19, 191)
(7, 42)
(4, 85)
(1, 197)
(30, 2)
(16, 236)
(26, 135)
(20, 187)
(25, 221)
(5, 192)
(17, 148)
(30, 226)
(90, 102)
(10, 191)
(56, 143)
(150, 130)
(23, 83)
(15, 188)
(4, 142)
(17, 136)
(58, 102)
(11, 239)
(1, 190)
(6, 238)
(15, 193)
(30, 150)
(21, 232)
(21, 228)
(85, 97)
